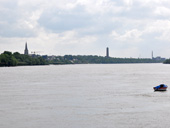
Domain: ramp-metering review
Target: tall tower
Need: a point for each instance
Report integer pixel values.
(107, 52)
(152, 54)
(26, 49)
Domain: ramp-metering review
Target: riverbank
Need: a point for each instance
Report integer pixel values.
(16, 59)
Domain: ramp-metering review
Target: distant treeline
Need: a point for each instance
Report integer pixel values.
(70, 59)
(167, 61)
(17, 59)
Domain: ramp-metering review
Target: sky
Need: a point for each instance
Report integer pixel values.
(130, 28)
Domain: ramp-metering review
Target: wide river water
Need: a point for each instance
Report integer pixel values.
(84, 96)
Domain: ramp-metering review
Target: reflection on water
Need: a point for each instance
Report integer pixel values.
(84, 96)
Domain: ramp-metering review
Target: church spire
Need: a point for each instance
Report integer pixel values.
(26, 49)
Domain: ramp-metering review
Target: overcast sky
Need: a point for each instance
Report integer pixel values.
(130, 28)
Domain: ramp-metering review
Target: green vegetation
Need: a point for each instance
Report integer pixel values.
(7, 59)
(69, 59)
(17, 59)
(167, 61)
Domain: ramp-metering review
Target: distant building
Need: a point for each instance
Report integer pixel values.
(26, 49)
(107, 52)
(158, 58)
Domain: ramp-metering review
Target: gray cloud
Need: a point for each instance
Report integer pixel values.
(14, 20)
(123, 25)
(60, 20)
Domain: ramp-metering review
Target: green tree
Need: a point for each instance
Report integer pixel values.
(7, 59)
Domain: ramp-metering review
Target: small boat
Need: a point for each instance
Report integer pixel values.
(161, 87)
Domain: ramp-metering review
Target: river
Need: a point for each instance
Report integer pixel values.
(84, 96)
